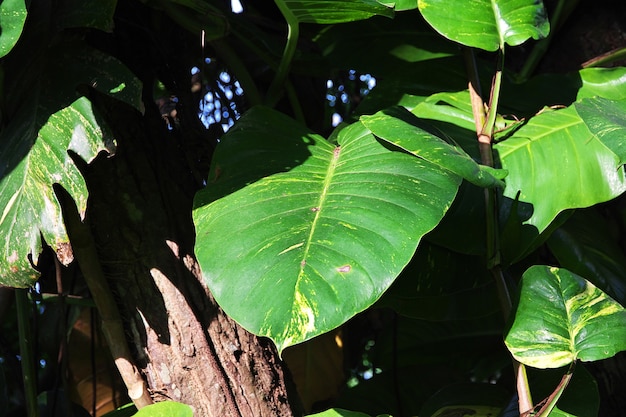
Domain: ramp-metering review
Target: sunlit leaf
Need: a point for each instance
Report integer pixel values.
(30, 208)
(12, 18)
(561, 317)
(320, 239)
(606, 119)
(400, 127)
(557, 164)
(165, 409)
(487, 24)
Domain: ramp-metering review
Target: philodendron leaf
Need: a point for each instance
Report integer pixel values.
(335, 11)
(30, 209)
(319, 232)
(400, 127)
(487, 24)
(165, 409)
(12, 18)
(557, 164)
(562, 317)
(605, 119)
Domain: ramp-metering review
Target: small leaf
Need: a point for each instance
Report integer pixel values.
(335, 11)
(398, 126)
(12, 18)
(319, 239)
(487, 24)
(561, 317)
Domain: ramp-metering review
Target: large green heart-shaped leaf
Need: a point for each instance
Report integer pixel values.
(335, 11)
(30, 209)
(487, 24)
(398, 126)
(323, 231)
(12, 18)
(557, 164)
(561, 317)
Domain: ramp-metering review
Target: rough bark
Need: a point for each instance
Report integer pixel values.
(140, 214)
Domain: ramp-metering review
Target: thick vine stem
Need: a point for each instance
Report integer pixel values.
(484, 118)
(112, 327)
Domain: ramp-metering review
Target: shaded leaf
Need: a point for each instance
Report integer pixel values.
(333, 11)
(441, 285)
(323, 238)
(556, 164)
(391, 44)
(584, 246)
(487, 24)
(97, 14)
(477, 400)
(561, 317)
(12, 18)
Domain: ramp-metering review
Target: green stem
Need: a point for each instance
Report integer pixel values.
(29, 374)
(550, 402)
(485, 126)
(274, 91)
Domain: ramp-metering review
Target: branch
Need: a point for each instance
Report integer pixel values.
(85, 253)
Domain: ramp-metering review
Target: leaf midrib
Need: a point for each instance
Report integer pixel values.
(330, 172)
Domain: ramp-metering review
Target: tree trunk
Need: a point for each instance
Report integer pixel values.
(140, 215)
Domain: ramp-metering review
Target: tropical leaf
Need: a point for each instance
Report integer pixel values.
(401, 128)
(555, 164)
(391, 44)
(42, 127)
(605, 119)
(165, 409)
(487, 24)
(441, 285)
(30, 210)
(323, 237)
(12, 18)
(97, 14)
(561, 317)
(333, 11)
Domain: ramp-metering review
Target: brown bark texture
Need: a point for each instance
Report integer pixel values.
(140, 215)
